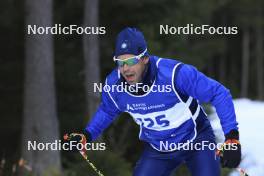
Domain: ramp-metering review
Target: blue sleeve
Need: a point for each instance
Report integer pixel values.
(190, 81)
(103, 117)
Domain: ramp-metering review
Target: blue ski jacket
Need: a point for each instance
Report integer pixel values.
(169, 110)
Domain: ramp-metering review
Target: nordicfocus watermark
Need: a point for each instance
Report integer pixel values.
(167, 146)
(125, 87)
(58, 29)
(59, 145)
(191, 29)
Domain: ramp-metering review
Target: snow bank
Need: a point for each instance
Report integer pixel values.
(250, 116)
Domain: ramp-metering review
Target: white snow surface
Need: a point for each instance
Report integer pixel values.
(250, 117)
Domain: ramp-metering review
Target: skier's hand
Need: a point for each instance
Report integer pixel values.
(77, 140)
(230, 155)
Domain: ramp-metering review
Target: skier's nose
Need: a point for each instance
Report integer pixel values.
(125, 67)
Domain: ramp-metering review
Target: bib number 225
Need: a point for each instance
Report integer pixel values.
(159, 120)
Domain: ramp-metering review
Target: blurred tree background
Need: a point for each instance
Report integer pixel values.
(234, 60)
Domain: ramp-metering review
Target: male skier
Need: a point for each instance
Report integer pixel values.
(169, 116)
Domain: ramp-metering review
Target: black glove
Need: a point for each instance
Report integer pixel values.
(230, 155)
(76, 138)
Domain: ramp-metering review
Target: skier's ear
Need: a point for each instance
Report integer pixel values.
(145, 59)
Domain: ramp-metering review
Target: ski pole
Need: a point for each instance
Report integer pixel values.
(83, 152)
(242, 171)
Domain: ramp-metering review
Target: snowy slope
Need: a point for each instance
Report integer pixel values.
(250, 116)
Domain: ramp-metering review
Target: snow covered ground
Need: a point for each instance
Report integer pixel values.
(250, 116)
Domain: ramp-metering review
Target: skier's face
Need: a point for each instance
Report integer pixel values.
(133, 74)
